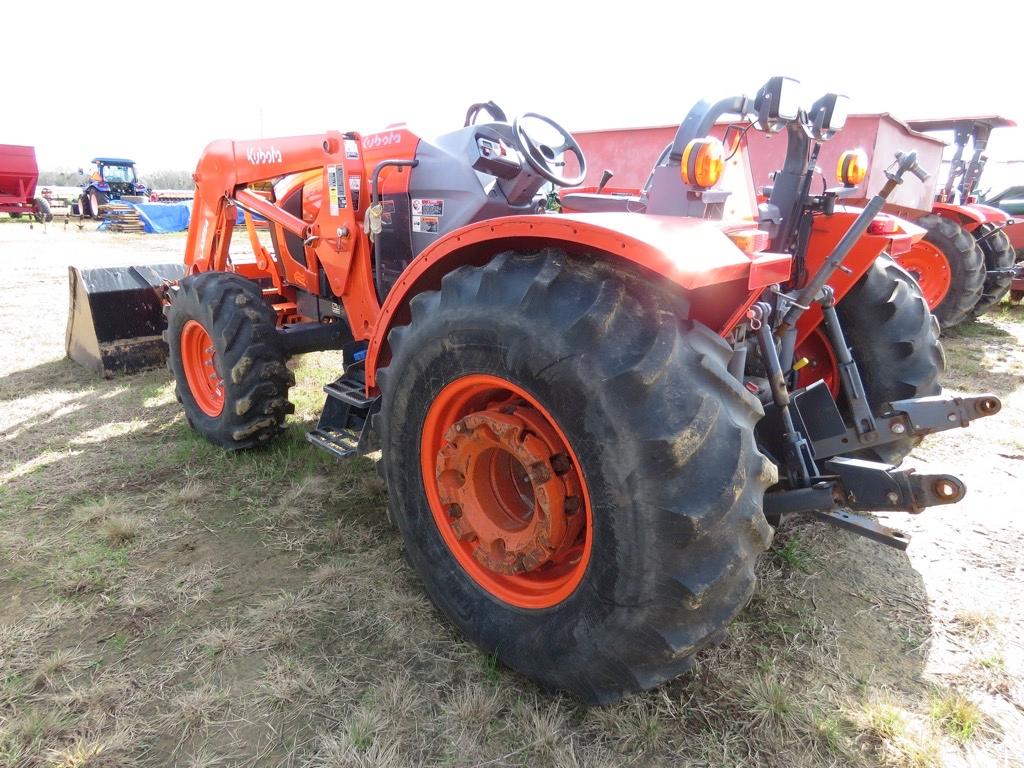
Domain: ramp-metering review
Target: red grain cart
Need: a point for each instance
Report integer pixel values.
(18, 176)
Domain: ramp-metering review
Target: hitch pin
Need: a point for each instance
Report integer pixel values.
(789, 299)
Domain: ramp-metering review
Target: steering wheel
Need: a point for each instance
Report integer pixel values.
(541, 157)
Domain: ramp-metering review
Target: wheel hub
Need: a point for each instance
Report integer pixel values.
(508, 488)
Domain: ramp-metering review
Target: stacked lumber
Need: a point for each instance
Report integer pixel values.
(121, 217)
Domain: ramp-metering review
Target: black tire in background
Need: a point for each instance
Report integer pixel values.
(966, 264)
(42, 210)
(249, 358)
(665, 440)
(895, 341)
(93, 200)
(999, 254)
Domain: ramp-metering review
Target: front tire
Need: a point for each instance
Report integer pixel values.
(999, 254)
(657, 446)
(228, 365)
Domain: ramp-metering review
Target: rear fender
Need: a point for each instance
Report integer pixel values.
(719, 280)
(825, 235)
(971, 216)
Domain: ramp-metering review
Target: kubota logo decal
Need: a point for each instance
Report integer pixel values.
(382, 140)
(259, 156)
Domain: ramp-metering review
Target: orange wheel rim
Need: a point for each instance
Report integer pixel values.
(198, 359)
(930, 268)
(821, 362)
(506, 491)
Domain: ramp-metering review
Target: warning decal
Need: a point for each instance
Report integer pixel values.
(423, 207)
(332, 188)
(351, 149)
(425, 223)
(353, 186)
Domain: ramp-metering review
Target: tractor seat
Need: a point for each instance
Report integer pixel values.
(591, 202)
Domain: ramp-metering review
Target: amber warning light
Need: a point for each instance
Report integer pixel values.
(852, 167)
(703, 163)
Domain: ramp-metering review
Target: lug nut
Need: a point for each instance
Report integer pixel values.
(898, 428)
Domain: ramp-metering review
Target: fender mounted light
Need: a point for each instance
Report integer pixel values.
(883, 224)
(703, 162)
(749, 240)
(852, 167)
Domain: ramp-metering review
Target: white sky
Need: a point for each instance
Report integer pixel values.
(157, 82)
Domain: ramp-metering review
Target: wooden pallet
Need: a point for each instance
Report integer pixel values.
(121, 217)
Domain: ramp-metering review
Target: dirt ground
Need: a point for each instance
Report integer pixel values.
(163, 603)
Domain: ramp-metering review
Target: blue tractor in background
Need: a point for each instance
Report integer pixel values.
(110, 178)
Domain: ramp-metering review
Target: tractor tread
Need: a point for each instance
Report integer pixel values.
(999, 254)
(250, 360)
(967, 268)
(895, 341)
(679, 482)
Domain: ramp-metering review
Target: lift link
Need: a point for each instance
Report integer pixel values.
(852, 385)
(799, 463)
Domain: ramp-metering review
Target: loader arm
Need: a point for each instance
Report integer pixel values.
(324, 254)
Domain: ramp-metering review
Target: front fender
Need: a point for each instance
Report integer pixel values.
(719, 279)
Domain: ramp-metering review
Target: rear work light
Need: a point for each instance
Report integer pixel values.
(749, 240)
(852, 167)
(703, 163)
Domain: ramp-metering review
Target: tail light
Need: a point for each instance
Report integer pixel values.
(883, 225)
(749, 240)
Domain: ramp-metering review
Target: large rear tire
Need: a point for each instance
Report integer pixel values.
(895, 341)
(228, 365)
(999, 254)
(966, 264)
(645, 429)
(92, 201)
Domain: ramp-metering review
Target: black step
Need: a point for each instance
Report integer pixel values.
(344, 425)
(342, 443)
(350, 390)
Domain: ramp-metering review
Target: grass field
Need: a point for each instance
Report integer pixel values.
(164, 603)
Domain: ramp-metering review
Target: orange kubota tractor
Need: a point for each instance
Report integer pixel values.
(583, 418)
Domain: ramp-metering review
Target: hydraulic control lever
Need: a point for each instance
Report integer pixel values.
(905, 163)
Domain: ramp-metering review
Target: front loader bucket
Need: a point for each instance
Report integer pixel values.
(115, 320)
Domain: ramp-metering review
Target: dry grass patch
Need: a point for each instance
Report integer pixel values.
(57, 668)
(95, 751)
(194, 711)
(119, 530)
(97, 510)
(223, 643)
(898, 739)
(956, 715)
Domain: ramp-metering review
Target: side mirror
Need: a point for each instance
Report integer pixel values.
(777, 102)
(828, 115)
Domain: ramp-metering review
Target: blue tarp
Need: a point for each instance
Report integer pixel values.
(166, 217)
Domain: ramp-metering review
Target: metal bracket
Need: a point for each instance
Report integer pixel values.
(870, 486)
(865, 526)
(912, 418)
(935, 414)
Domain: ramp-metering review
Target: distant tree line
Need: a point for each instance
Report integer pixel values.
(65, 177)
